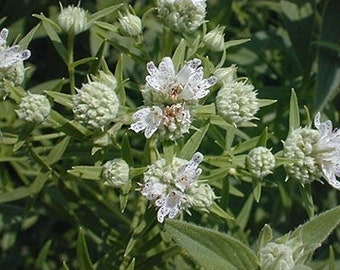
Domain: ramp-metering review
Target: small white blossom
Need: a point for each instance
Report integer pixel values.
(168, 87)
(148, 119)
(328, 145)
(174, 187)
(11, 63)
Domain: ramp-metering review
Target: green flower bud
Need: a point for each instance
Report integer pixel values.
(183, 16)
(260, 162)
(96, 103)
(130, 24)
(300, 144)
(14, 75)
(203, 197)
(214, 39)
(34, 108)
(276, 257)
(72, 16)
(116, 173)
(237, 102)
(226, 75)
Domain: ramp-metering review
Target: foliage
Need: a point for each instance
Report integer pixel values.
(57, 207)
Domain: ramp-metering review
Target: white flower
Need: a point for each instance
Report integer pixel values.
(168, 87)
(188, 173)
(328, 145)
(10, 55)
(174, 187)
(170, 205)
(148, 119)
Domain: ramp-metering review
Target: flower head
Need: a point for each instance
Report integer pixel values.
(72, 16)
(34, 108)
(96, 103)
(116, 172)
(174, 187)
(260, 161)
(11, 63)
(214, 39)
(165, 86)
(184, 16)
(236, 102)
(130, 24)
(317, 153)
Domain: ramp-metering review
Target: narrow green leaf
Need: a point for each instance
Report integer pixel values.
(126, 150)
(53, 85)
(41, 260)
(86, 172)
(331, 259)
(307, 199)
(39, 182)
(263, 138)
(243, 216)
(65, 267)
(328, 75)
(102, 13)
(61, 98)
(14, 195)
(193, 143)
(257, 189)
(236, 42)
(82, 252)
(211, 249)
(217, 210)
(294, 115)
(57, 151)
(119, 74)
(25, 41)
(266, 235)
(82, 61)
(131, 266)
(179, 54)
(50, 28)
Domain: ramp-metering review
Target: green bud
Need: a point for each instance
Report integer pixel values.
(214, 40)
(260, 162)
(116, 173)
(72, 16)
(130, 24)
(34, 108)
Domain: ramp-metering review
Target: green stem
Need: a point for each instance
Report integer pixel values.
(70, 50)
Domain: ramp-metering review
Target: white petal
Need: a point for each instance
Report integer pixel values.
(154, 82)
(317, 120)
(330, 176)
(162, 213)
(3, 36)
(138, 126)
(152, 69)
(166, 68)
(149, 131)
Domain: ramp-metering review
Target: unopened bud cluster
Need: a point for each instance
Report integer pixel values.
(116, 173)
(237, 102)
(131, 25)
(214, 40)
(183, 16)
(96, 103)
(73, 17)
(34, 108)
(260, 162)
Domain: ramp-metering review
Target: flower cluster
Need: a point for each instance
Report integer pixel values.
(170, 98)
(237, 101)
(96, 103)
(184, 16)
(34, 108)
(260, 162)
(116, 173)
(317, 153)
(131, 25)
(73, 17)
(174, 187)
(11, 63)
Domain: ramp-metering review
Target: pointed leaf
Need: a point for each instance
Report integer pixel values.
(211, 249)
(179, 54)
(86, 172)
(82, 252)
(294, 115)
(102, 13)
(41, 260)
(57, 151)
(193, 143)
(14, 195)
